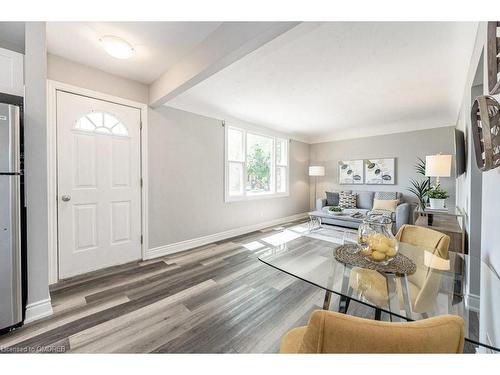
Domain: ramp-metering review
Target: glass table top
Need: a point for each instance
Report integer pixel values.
(450, 211)
(439, 286)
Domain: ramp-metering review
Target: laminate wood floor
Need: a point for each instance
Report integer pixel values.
(217, 298)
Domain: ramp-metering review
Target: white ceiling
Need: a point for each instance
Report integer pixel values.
(158, 45)
(323, 81)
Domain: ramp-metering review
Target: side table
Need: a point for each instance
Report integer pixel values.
(449, 221)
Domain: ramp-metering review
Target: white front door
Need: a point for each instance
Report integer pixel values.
(99, 184)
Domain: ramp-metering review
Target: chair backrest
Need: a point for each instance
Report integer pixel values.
(425, 278)
(331, 332)
(425, 237)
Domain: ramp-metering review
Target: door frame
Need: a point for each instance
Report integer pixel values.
(52, 88)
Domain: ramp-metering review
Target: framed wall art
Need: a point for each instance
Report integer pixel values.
(351, 172)
(380, 171)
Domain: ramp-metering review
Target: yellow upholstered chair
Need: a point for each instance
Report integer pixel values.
(423, 284)
(331, 332)
(425, 237)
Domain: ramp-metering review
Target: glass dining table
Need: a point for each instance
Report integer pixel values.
(460, 284)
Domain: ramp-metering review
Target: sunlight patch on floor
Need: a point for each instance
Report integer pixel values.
(254, 245)
(281, 238)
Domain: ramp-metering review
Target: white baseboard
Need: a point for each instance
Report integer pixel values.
(200, 241)
(38, 310)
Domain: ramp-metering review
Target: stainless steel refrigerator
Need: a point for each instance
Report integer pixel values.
(11, 279)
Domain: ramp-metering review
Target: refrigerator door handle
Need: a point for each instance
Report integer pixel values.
(15, 124)
(10, 148)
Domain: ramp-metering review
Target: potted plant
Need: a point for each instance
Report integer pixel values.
(437, 197)
(336, 210)
(420, 188)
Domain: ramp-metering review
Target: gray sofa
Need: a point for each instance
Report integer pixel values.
(364, 205)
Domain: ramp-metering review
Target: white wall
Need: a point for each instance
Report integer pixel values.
(405, 147)
(489, 325)
(73, 73)
(186, 180)
(186, 166)
(490, 235)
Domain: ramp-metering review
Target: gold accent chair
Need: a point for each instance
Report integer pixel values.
(425, 237)
(423, 284)
(332, 332)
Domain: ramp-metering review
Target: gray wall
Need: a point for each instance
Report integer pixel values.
(405, 147)
(62, 70)
(35, 120)
(186, 184)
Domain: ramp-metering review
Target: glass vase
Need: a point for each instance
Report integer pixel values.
(377, 242)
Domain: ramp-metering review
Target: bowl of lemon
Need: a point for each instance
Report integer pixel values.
(380, 248)
(377, 242)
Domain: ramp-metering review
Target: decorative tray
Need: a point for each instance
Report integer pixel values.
(400, 264)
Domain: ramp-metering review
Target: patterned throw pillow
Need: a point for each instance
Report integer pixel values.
(347, 200)
(387, 195)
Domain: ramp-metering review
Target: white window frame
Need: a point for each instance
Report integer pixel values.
(274, 167)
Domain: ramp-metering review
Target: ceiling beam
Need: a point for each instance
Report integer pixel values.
(228, 43)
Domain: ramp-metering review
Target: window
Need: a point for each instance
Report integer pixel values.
(256, 165)
(102, 123)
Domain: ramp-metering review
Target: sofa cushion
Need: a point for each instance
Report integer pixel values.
(332, 198)
(385, 204)
(347, 200)
(388, 195)
(365, 199)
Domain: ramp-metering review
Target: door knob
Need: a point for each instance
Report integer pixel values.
(66, 198)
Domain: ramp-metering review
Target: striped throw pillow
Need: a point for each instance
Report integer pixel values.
(347, 200)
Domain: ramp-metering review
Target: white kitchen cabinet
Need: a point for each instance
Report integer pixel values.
(11, 72)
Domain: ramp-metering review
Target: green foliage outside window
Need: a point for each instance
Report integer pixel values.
(258, 170)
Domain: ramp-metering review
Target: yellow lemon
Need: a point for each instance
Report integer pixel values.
(383, 248)
(386, 241)
(391, 252)
(377, 255)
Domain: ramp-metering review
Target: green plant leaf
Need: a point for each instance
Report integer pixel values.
(438, 193)
(420, 166)
(420, 189)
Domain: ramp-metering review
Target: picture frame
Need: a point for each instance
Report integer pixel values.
(380, 171)
(350, 172)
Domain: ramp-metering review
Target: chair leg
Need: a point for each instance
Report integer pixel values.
(347, 304)
(344, 304)
(327, 300)
(378, 314)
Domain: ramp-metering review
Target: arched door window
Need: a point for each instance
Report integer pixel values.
(102, 123)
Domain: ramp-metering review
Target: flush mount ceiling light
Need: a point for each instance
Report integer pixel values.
(117, 47)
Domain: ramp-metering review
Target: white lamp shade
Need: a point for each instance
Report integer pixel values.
(438, 166)
(316, 170)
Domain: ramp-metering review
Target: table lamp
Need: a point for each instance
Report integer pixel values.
(316, 171)
(438, 166)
